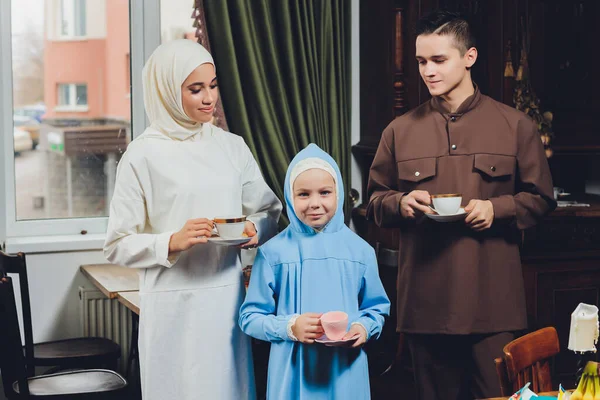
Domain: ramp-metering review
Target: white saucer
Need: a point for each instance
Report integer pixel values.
(448, 218)
(228, 242)
(328, 342)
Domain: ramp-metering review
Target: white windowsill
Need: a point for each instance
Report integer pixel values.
(55, 244)
(71, 108)
(61, 38)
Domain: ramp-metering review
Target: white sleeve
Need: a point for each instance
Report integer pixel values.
(126, 244)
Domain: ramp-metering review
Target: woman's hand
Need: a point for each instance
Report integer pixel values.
(193, 232)
(250, 231)
(308, 327)
(356, 330)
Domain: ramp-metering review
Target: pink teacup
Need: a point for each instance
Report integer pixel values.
(334, 324)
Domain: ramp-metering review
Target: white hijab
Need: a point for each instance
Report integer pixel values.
(164, 73)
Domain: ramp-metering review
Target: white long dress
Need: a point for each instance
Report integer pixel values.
(190, 344)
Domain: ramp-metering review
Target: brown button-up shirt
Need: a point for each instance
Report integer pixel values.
(451, 279)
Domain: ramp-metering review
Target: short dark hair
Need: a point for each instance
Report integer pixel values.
(443, 22)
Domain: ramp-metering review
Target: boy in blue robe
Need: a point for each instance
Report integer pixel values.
(315, 265)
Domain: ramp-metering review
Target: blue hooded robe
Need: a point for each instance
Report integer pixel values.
(302, 270)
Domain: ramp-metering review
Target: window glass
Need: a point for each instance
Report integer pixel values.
(71, 98)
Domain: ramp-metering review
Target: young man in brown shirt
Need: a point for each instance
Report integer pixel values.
(460, 285)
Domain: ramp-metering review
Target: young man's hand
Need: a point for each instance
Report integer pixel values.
(308, 327)
(481, 214)
(415, 202)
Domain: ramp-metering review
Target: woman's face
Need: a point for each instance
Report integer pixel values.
(199, 93)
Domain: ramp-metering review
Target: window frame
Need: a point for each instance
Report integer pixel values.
(74, 22)
(144, 38)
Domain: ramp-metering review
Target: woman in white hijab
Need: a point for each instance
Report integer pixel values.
(171, 182)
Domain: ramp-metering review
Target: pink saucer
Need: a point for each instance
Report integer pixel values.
(328, 342)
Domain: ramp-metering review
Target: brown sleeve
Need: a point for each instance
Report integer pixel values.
(384, 198)
(534, 195)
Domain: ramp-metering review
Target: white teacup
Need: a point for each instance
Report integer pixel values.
(446, 204)
(230, 227)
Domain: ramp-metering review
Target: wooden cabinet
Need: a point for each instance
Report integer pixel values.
(561, 267)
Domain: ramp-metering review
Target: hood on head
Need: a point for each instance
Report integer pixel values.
(337, 222)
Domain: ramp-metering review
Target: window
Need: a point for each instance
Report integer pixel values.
(73, 18)
(66, 107)
(72, 96)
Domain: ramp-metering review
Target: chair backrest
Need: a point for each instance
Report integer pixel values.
(12, 362)
(16, 264)
(528, 359)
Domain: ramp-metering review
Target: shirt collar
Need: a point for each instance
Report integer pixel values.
(441, 106)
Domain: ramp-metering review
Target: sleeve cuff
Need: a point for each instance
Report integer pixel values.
(162, 250)
(290, 324)
(504, 207)
(386, 211)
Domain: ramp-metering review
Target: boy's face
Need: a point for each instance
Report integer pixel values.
(441, 64)
(315, 200)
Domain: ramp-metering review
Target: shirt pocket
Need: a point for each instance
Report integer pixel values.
(497, 172)
(413, 173)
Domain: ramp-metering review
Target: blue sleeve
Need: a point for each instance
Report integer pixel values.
(257, 314)
(374, 304)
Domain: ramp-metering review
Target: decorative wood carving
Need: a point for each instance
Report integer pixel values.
(400, 105)
(509, 76)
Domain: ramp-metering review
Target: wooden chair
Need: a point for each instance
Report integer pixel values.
(527, 359)
(73, 384)
(89, 352)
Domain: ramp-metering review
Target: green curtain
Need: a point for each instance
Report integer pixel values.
(284, 78)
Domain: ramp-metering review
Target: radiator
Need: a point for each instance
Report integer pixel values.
(104, 317)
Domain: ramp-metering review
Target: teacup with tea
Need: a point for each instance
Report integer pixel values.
(335, 324)
(230, 227)
(446, 204)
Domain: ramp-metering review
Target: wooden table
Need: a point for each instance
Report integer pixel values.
(539, 394)
(111, 279)
(131, 300)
